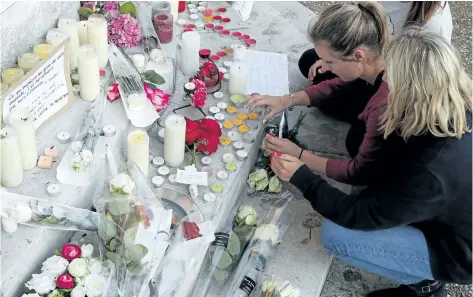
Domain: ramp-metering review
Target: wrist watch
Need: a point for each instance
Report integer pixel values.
(293, 99)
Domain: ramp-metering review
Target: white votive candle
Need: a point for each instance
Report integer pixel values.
(12, 74)
(89, 72)
(222, 175)
(227, 158)
(23, 123)
(157, 181)
(174, 140)
(238, 145)
(138, 150)
(189, 62)
(27, 61)
(82, 31)
(53, 190)
(209, 197)
(158, 161)
(11, 166)
(69, 26)
(163, 170)
(241, 155)
(98, 37)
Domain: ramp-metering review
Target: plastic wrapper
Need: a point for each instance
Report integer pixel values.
(277, 287)
(231, 242)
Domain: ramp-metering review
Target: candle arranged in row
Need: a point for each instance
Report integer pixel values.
(89, 72)
(69, 27)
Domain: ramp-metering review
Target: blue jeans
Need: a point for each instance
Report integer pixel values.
(399, 254)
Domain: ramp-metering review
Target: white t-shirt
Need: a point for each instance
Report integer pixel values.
(440, 23)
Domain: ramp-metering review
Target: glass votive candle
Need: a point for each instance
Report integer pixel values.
(208, 12)
(209, 26)
(27, 61)
(194, 17)
(208, 19)
(3, 89)
(236, 35)
(193, 11)
(221, 10)
(225, 20)
(244, 37)
(191, 6)
(218, 28)
(12, 74)
(43, 50)
(163, 25)
(224, 33)
(201, 9)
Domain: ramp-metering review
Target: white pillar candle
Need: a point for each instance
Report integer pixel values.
(23, 123)
(27, 61)
(89, 72)
(98, 37)
(174, 9)
(56, 36)
(238, 78)
(82, 31)
(11, 169)
(189, 57)
(174, 140)
(69, 26)
(138, 150)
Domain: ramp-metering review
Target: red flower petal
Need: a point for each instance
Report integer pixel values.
(70, 252)
(65, 281)
(191, 125)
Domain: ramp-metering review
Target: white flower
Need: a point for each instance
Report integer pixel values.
(87, 250)
(246, 214)
(21, 213)
(55, 266)
(95, 285)
(268, 232)
(78, 268)
(78, 291)
(122, 183)
(87, 156)
(41, 283)
(31, 295)
(95, 266)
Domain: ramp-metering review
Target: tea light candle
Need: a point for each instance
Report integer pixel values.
(69, 26)
(108, 130)
(158, 161)
(251, 43)
(218, 96)
(53, 190)
(227, 64)
(11, 165)
(222, 105)
(227, 157)
(27, 61)
(89, 72)
(206, 160)
(194, 17)
(249, 137)
(225, 141)
(193, 11)
(225, 20)
(157, 181)
(231, 166)
(236, 35)
(214, 110)
(172, 178)
(223, 70)
(218, 28)
(238, 145)
(181, 22)
(138, 150)
(208, 169)
(98, 37)
(163, 170)
(217, 188)
(217, 18)
(190, 53)
(51, 152)
(220, 117)
(224, 33)
(12, 75)
(244, 37)
(63, 137)
(209, 26)
(234, 136)
(43, 50)
(23, 122)
(191, 6)
(253, 125)
(174, 140)
(209, 197)
(82, 32)
(221, 10)
(222, 175)
(161, 135)
(241, 155)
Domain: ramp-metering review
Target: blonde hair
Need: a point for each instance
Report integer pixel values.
(429, 90)
(346, 26)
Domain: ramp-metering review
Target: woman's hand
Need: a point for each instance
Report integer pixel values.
(285, 166)
(281, 145)
(275, 104)
(316, 68)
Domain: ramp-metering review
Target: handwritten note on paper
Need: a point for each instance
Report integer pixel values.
(43, 93)
(189, 177)
(268, 73)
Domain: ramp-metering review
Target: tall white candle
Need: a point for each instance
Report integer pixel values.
(11, 169)
(56, 36)
(138, 150)
(238, 71)
(69, 26)
(89, 72)
(82, 31)
(98, 37)
(23, 123)
(189, 58)
(174, 140)
(174, 9)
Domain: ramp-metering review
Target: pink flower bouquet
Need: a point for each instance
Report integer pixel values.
(124, 31)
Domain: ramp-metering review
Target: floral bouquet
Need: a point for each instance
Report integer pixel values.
(124, 31)
(72, 272)
(196, 90)
(277, 287)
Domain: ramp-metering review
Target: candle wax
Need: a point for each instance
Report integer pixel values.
(12, 75)
(28, 61)
(43, 50)
(23, 122)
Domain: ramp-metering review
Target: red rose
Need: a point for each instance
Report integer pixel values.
(113, 92)
(198, 98)
(70, 252)
(210, 82)
(204, 73)
(192, 136)
(211, 127)
(208, 144)
(209, 66)
(65, 281)
(191, 125)
(199, 84)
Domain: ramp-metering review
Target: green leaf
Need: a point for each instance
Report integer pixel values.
(114, 244)
(135, 252)
(118, 207)
(153, 77)
(134, 267)
(2, 137)
(84, 12)
(233, 247)
(112, 257)
(57, 253)
(52, 220)
(219, 274)
(107, 229)
(221, 260)
(129, 236)
(128, 7)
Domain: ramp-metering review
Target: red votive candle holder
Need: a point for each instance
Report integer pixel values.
(188, 30)
(204, 52)
(217, 18)
(224, 33)
(190, 26)
(236, 35)
(251, 42)
(209, 26)
(182, 6)
(218, 28)
(221, 10)
(163, 25)
(208, 12)
(214, 58)
(225, 20)
(244, 37)
(221, 54)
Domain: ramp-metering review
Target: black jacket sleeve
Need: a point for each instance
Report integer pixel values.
(397, 203)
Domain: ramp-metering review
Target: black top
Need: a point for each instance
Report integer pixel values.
(431, 191)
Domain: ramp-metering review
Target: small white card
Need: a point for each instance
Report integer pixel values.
(190, 177)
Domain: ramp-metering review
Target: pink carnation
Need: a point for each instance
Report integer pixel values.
(198, 98)
(124, 31)
(111, 10)
(158, 98)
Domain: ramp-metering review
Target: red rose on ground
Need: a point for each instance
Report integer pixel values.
(191, 125)
(65, 281)
(113, 93)
(192, 136)
(211, 127)
(71, 251)
(198, 98)
(208, 144)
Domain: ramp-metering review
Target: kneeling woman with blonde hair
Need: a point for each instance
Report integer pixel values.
(416, 228)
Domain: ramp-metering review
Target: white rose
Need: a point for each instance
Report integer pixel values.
(268, 232)
(95, 266)
(78, 291)
(31, 295)
(87, 250)
(21, 213)
(55, 266)
(78, 267)
(41, 283)
(95, 285)
(122, 183)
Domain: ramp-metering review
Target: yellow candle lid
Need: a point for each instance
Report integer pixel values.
(227, 124)
(253, 116)
(243, 129)
(43, 50)
(242, 116)
(231, 109)
(237, 122)
(225, 141)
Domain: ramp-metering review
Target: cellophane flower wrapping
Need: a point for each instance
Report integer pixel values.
(232, 240)
(263, 245)
(134, 228)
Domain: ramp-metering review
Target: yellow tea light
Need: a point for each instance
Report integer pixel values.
(12, 75)
(225, 141)
(242, 116)
(43, 50)
(231, 166)
(243, 129)
(3, 88)
(27, 61)
(217, 188)
(208, 19)
(231, 109)
(253, 116)
(227, 125)
(237, 122)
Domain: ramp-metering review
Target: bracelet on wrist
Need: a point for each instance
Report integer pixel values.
(300, 155)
